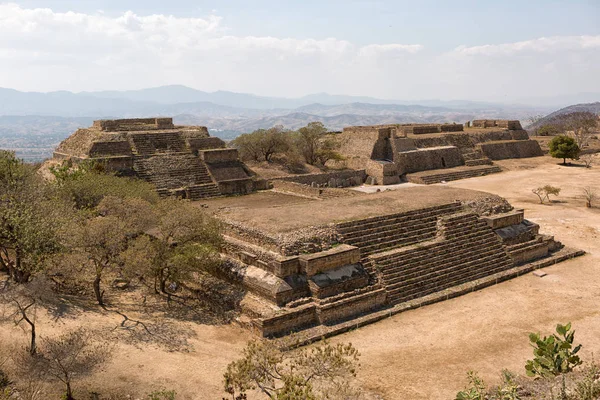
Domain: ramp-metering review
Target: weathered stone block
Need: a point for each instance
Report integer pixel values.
(344, 254)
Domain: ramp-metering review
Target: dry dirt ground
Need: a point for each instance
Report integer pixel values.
(420, 354)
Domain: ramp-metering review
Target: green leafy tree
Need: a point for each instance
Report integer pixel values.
(32, 219)
(563, 147)
(554, 354)
(547, 130)
(262, 143)
(324, 371)
(184, 241)
(98, 242)
(315, 145)
(86, 184)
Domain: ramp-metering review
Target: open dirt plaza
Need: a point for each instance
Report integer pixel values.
(419, 354)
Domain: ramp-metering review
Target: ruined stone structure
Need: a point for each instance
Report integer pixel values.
(343, 263)
(431, 153)
(179, 160)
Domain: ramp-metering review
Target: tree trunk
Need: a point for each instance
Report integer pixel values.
(97, 291)
(564, 161)
(33, 346)
(69, 394)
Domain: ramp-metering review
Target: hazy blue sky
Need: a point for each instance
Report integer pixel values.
(493, 50)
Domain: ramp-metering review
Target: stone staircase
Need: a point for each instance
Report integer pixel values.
(207, 190)
(526, 251)
(451, 174)
(466, 250)
(176, 171)
(383, 233)
(474, 157)
(147, 144)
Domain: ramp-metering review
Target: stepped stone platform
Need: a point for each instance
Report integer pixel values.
(396, 152)
(322, 266)
(452, 174)
(182, 161)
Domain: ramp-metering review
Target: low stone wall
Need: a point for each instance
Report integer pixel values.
(236, 186)
(350, 307)
(312, 264)
(419, 129)
(112, 148)
(498, 221)
(219, 155)
(133, 124)
(501, 123)
(344, 178)
(512, 149)
(284, 324)
(427, 159)
(228, 170)
(204, 143)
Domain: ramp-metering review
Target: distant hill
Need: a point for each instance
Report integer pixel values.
(589, 107)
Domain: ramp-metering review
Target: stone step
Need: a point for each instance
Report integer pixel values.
(524, 245)
(346, 227)
(386, 236)
(448, 278)
(402, 297)
(478, 161)
(438, 176)
(482, 268)
(204, 191)
(416, 252)
(433, 255)
(423, 271)
(404, 241)
(407, 224)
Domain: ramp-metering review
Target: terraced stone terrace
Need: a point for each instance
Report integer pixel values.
(316, 265)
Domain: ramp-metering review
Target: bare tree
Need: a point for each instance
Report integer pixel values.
(544, 192)
(590, 194)
(587, 159)
(22, 301)
(67, 357)
(580, 126)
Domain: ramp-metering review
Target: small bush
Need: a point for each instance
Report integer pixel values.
(554, 354)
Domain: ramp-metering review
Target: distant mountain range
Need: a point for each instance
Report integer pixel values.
(589, 107)
(174, 100)
(41, 120)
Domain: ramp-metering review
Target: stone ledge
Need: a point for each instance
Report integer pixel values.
(314, 334)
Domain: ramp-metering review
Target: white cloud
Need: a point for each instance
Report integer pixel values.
(42, 50)
(540, 45)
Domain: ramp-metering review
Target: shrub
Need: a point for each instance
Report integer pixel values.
(554, 354)
(544, 192)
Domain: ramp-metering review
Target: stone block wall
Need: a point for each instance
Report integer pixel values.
(501, 123)
(284, 324)
(353, 306)
(133, 124)
(110, 148)
(351, 176)
(497, 221)
(511, 149)
(427, 159)
(219, 155)
(312, 264)
(204, 143)
(236, 186)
